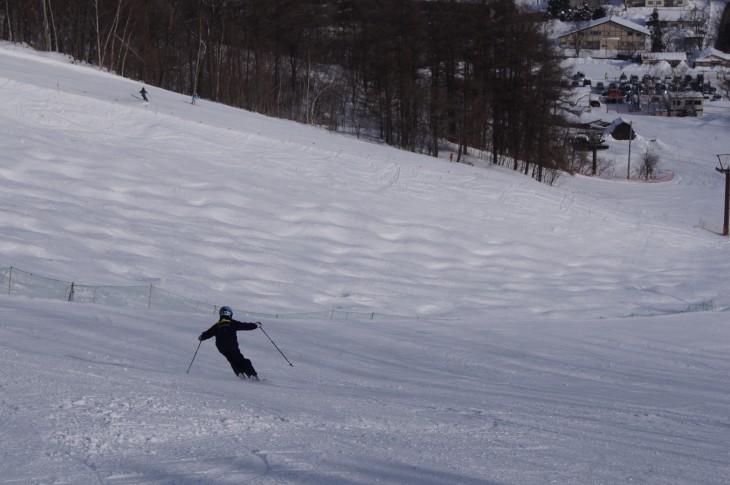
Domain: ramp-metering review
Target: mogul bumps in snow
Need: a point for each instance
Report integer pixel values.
(226, 342)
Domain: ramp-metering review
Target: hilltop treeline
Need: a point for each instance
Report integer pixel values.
(480, 74)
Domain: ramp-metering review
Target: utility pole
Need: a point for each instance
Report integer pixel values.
(726, 170)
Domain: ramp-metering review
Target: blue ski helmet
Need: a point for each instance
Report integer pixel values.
(226, 312)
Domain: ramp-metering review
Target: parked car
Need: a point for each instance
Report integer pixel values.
(612, 97)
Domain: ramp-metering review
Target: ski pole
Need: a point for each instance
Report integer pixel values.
(277, 348)
(196, 353)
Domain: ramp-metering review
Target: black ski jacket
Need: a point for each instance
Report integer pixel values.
(224, 331)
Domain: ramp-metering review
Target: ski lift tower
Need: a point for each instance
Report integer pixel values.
(725, 168)
(595, 137)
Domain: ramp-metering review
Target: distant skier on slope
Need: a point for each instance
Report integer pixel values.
(226, 341)
(143, 92)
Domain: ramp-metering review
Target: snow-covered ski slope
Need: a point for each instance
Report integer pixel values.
(526, 366)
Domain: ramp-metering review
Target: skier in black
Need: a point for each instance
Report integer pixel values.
(226, 342)
(143, 92)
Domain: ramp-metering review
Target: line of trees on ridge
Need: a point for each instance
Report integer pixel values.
(479, 74)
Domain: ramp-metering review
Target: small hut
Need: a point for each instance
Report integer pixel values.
(620, 130)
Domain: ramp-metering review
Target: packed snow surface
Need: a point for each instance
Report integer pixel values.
(537, 334)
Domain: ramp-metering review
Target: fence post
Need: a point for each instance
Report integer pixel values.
(71, 292)
(149, 301)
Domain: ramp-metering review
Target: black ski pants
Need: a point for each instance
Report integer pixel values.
(239, 363)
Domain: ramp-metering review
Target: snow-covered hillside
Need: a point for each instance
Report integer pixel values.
(549, 347)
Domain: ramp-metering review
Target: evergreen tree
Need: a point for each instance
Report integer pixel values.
(558, 8)
(657, 41)
(599, 13)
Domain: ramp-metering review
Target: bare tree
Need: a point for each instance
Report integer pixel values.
(46, 27)
(578, 39)
(97, 25)
(7, 18)
(725, 87)
(649, 164)
(125, 44)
